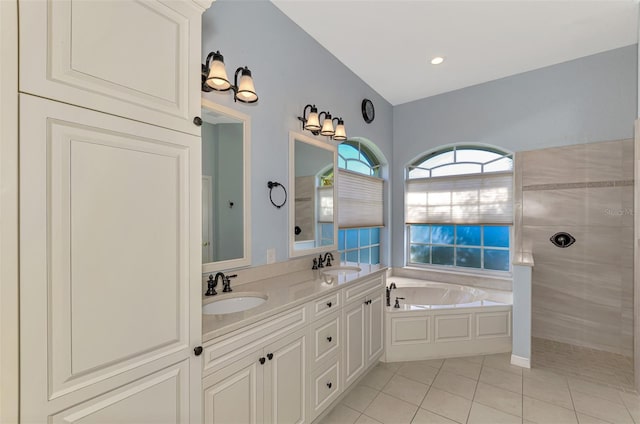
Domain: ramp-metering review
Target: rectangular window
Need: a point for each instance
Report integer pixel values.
(484, 247)
(359, 245)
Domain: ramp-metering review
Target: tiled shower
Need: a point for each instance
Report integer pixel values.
(582, 295)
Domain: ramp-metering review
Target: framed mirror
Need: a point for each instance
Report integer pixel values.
(313, 205)
(226, 169)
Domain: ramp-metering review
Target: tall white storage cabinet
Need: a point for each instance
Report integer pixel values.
(110, 176)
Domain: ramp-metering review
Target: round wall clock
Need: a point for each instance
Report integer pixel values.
(368, 111)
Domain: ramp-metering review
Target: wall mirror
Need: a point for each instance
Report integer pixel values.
(226, 166)
(313, 193)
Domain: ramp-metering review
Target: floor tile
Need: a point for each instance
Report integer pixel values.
(377, 378)
(419, 371)
(481, 414)
(405, 389)
(502, 379)
(456, 384)
(500, 399)
(389, 410)
(542, 412)
(360, 397)
(598, 390)
(341, 415)
(479, 359)
(462, 367)
(501, 361)
(545, 375)
(391, 366)
(601, 408)
(363, 419)
(632, 402)
(427, 417)
(585, 419)
(553, 391)
(447, 404)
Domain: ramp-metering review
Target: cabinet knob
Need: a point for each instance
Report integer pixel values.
(197, 121)
(329, 304)
(270, 356)
(329, 339)
(262, 360)
(329, 384)
(198, 351)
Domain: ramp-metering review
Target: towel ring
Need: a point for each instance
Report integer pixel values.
(271, 185)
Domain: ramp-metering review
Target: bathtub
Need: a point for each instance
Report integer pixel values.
(437, 320)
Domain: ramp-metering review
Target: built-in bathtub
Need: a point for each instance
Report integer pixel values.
(437, 320)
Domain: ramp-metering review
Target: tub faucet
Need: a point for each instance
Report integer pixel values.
(397, 305)
(392, 286)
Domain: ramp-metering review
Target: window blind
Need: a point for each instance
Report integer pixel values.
(325, 204)
(461, 199)
(360, 200)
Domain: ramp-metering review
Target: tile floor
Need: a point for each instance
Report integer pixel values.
(588, 364)
(480, 389)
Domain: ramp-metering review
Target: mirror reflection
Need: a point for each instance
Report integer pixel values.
(313, 200)
(223, 187)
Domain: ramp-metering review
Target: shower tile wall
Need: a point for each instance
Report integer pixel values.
(583, 294)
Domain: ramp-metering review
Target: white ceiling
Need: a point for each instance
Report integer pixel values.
(389, 43)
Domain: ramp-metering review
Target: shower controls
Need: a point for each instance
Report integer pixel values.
(562, 239)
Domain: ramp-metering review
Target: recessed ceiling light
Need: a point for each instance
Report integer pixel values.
(437, 60)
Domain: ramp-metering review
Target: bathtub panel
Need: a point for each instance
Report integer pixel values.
(493, 324)
(409, 330)
(453, 327)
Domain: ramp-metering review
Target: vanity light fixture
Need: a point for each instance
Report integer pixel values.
(214, 77)
(312, 123)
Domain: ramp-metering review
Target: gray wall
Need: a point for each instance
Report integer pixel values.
(290, 70)
(582, 101)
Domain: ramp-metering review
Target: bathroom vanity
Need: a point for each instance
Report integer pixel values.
(290, 358)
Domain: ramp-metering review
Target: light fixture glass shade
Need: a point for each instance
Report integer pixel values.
(217, 78)
(313, 123)
(327, 126)
(246, 91)
(341, 133)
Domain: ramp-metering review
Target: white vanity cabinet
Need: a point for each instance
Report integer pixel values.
(290, 367)
(363, 327)
(258, 373)
(266, 386)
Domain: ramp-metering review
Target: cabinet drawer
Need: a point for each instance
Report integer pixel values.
(325, 388)
(326, 305)
(354, 293)
(325, 337)
(245, 339)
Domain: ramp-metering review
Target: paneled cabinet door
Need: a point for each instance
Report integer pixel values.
(286, 380)
(110, 302)
(234, 395)
(354, 345)
(375, 321)
(138, 59)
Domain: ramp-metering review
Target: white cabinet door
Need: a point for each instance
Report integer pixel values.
(110, 302)
(354, 346)
(234, 395)
(286, 380)
(138, 59)
(375, 321)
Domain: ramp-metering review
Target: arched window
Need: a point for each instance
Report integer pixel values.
(360, 194)
(459, 208)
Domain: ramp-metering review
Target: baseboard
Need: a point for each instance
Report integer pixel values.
(520, 361)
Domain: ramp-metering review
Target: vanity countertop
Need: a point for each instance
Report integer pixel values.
(284, 292)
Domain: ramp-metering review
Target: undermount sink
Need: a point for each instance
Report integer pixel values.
(335, 271)
(236, 302)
